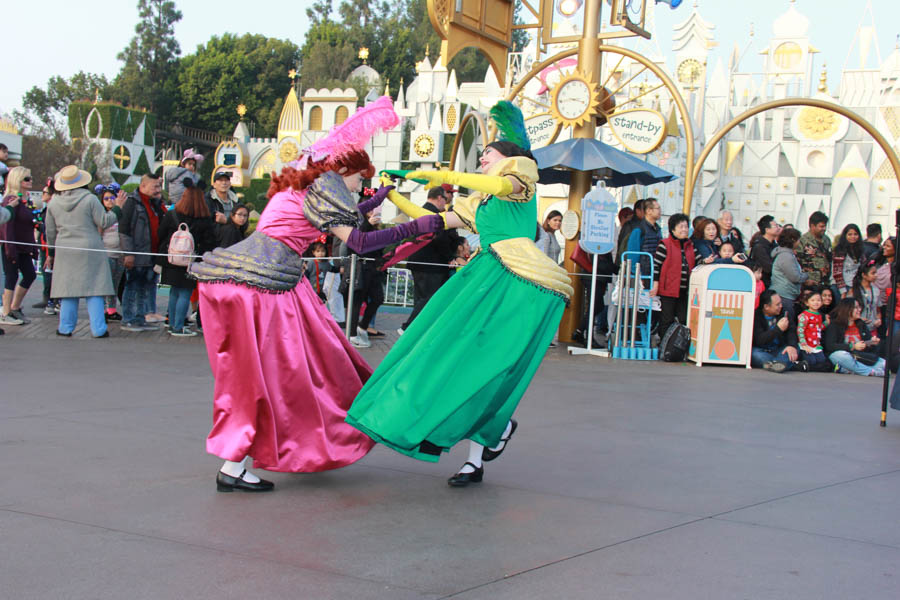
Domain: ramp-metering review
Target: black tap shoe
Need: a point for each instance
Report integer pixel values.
(464, 479)
(488, 455)
(227, 483)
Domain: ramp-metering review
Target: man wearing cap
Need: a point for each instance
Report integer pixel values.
(428, 278)
(138, 235)
(221, 200)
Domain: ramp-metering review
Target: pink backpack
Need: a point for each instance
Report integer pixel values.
(181, 246)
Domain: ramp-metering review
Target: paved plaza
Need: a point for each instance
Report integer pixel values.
(625, 480)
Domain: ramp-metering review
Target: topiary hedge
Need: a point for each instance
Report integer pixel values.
(112, 121)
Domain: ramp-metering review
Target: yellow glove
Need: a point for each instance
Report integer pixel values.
(408, 208)
(489, 184)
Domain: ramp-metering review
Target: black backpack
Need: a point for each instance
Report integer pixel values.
(675, 343)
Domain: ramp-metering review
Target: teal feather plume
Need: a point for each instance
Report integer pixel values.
(510, 124)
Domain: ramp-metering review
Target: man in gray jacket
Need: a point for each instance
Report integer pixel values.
(138, 228)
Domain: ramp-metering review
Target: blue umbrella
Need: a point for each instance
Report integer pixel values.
(557, 161)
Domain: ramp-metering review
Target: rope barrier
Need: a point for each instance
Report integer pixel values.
(332, 258)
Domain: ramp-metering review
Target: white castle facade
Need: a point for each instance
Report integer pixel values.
(788, 162)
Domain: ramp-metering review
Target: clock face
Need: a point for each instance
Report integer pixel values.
(573, 99)
(689, 71)
(424, 145)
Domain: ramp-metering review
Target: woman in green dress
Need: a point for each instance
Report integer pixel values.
(461, 368)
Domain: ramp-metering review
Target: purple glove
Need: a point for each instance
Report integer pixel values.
(362, 243)
(375, 201)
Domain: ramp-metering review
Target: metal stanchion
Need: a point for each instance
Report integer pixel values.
(350, 290)
(634, 309)
(619, 282)
(624, 296)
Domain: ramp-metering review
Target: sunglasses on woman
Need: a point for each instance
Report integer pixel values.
(28, 179)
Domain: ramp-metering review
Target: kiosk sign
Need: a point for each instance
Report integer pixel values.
(640, 130)
(598, 221)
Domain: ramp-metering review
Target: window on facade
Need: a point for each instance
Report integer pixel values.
(315, 118)
(341, 115)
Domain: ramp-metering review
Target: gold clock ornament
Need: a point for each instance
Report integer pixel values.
(689, 71)
(424, 145)
(574, 99)
(288, 152)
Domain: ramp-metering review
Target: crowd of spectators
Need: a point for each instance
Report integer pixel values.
(820, 306)
(124, 241)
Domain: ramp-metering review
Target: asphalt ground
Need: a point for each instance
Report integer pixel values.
(625, 480)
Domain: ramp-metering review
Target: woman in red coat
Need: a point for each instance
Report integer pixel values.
(672, 265)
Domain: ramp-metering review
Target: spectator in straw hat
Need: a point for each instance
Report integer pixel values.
(74, 220)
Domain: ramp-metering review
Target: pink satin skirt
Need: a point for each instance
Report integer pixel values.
(285, 377)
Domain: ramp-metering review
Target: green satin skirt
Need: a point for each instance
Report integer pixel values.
(461, 368)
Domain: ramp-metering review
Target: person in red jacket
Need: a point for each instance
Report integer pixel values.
(673, 262)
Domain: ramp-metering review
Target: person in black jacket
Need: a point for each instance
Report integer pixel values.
(235, 230)
(428, 278)
(774, 337)
(193, 211)
(762, 246)
(848, 342)
(626, 229)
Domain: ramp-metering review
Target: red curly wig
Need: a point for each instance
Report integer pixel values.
(356, 161)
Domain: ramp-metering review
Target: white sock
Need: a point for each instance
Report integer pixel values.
(475, 450)
(505, 435)
(236, 468)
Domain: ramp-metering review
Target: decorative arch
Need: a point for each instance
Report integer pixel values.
(837, 108)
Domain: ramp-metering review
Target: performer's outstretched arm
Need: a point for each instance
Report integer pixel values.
(489, 184)
(363, 242)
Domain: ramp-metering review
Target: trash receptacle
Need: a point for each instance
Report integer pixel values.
(721, 302)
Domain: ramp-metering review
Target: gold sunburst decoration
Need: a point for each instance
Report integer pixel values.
(424, 145)
(288, 151)
(818, 123)
(575, 99)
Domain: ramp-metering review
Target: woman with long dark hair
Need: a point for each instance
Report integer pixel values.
(547, 241)
(284, 373)
(461, 368)
(850, 344)
(868, 294)
(848, 253)
(192, 211)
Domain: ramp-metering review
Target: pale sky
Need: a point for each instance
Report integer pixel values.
(63, 37)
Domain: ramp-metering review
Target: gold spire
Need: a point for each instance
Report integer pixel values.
(241, 110)
(290, 123)
(363, 54)
(426, 50)
(823, 79)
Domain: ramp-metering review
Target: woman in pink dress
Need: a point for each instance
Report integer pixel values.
(285, 376)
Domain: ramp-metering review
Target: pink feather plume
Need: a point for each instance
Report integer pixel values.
(357, 130)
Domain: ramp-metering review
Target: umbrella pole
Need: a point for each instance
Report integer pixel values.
(588, 63)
